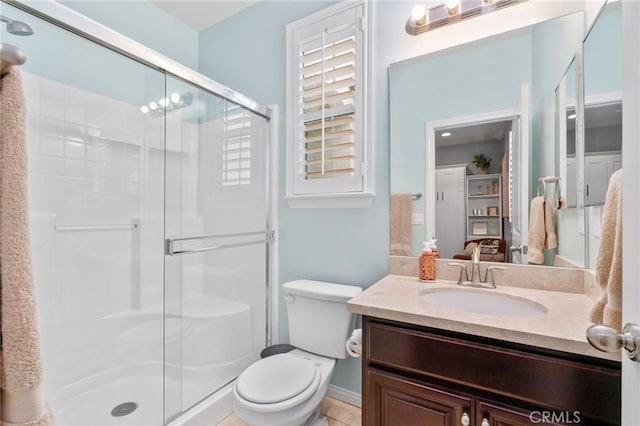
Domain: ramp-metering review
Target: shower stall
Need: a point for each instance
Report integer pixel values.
(150, 193)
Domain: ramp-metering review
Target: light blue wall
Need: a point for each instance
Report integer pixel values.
(467, 80)
(145, 23)
(349, 246)
(603, 53)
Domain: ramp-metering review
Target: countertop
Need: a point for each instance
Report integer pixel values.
(562, 328)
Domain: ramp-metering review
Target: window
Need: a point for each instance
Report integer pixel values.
(326, 99)
(236, 147)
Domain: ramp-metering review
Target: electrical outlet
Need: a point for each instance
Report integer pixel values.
(417, 219)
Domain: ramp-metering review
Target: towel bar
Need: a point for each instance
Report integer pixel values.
(75, 228)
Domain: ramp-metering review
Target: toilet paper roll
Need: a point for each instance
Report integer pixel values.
(354, 343)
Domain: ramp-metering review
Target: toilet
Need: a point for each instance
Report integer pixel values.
(286, 389)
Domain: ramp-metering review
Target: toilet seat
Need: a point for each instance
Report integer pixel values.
(277, 383)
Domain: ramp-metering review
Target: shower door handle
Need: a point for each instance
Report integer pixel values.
(171, 250)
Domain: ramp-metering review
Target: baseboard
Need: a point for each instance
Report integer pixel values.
(345, 395)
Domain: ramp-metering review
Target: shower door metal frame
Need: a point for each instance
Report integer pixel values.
(76, 23)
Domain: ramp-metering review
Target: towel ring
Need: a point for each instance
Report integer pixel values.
(544, 181)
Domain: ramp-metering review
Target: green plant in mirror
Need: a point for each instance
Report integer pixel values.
(481, 162)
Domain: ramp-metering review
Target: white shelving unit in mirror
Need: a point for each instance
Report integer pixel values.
(484, 206)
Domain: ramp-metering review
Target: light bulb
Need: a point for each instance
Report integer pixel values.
(144, 109)
(163, 102)
(571, 117)
(418, 13)
(452, 6)
(153, 106)
(175, 98)
(445, 134)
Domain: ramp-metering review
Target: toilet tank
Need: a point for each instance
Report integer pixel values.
(318, 318)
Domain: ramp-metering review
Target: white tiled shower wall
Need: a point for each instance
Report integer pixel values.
(93, 161)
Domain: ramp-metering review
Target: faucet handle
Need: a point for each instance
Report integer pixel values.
(463, 269)
(475, 255)
(489, 275)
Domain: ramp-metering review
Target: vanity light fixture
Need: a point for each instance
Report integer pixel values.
(453, 7)
(173, 102)
(419, 14)
(451, 11)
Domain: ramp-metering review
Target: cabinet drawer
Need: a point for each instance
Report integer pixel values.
(536, 379)
(498, 414)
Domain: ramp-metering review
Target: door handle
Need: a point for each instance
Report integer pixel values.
(607, 339)
(520, 249)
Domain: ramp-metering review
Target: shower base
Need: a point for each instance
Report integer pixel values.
(109, 399)
(134, 396)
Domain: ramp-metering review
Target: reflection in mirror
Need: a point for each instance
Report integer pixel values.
(469, 185)
(443, 90)
(566, 135)
(602, 51)
(572, 247)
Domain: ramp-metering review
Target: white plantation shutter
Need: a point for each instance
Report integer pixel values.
(327, 120)
(236, 147)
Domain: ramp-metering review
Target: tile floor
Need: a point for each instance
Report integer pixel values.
(338, 413)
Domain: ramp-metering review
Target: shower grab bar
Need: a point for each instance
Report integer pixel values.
(269, 236)
(76, 228)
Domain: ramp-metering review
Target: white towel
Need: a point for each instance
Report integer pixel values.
(22, 401)
(608, 309)
(542, 229)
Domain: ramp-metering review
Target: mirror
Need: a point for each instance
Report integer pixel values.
(569, 167)
(462, 89)
(602, 57)
(590, 100)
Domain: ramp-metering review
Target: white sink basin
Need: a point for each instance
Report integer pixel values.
(484, 301)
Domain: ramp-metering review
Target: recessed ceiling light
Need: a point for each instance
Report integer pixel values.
(445, 134)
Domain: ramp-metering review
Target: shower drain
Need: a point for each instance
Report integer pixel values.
(124, 409)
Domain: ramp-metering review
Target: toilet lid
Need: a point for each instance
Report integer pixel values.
(275, 379)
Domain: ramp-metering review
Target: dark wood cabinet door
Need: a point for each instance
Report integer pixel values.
(393, 400)
(491, 413)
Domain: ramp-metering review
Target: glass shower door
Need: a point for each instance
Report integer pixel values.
(96, 193)
(216, 242)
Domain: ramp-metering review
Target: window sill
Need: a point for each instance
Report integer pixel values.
(361, 200)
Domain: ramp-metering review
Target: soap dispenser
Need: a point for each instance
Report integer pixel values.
(427, 263)
(434, 248)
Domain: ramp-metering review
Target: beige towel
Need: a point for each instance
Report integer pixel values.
(608, 309)
(20, 364)
(551, 238)
(401, 208)
(542, 229)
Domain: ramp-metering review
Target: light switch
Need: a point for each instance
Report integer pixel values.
(417, 219)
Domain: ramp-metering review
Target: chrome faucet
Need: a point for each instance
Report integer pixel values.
(476, 280)
(475, 267)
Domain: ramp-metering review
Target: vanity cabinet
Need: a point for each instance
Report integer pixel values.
(414, 375)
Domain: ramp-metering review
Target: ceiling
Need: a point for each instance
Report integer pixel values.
(201, 14)
(473, 133)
